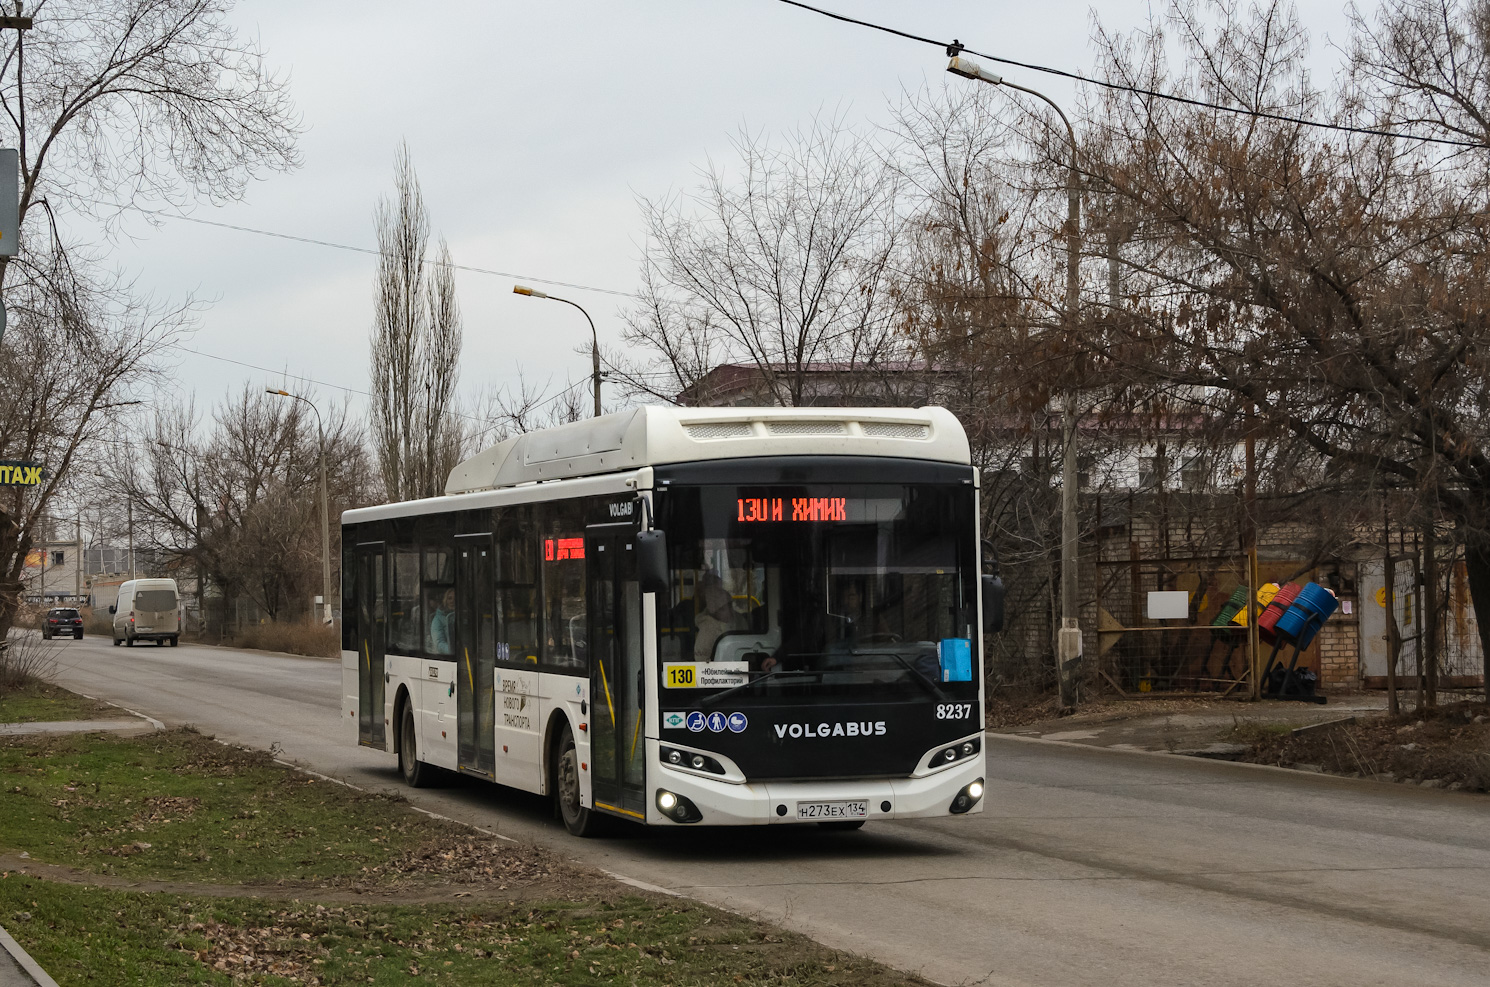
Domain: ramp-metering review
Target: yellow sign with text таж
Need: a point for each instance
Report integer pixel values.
(14, 473)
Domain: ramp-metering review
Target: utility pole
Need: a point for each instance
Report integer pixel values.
(325, 616)
(77, 560)
(129, 513)
(1068, 639)
(594, 339)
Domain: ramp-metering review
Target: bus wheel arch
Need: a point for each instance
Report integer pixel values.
(553, 735)
(400, 700)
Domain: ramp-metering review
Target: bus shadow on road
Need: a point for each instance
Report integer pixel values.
(718, 844)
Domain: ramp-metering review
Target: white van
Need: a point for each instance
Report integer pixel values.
(148, 610)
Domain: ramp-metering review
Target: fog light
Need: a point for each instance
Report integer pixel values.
(950, 754)
(699, 762)
(968, 748)
(967, 798)
(676, 757)
(678, 808)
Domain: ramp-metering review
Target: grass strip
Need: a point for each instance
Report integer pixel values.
(265, 876)
(107, 937)
(40, 702)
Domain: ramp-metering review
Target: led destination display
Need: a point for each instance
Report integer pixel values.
(799, 509)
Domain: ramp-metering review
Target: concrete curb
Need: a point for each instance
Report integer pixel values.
(28, 966)
(132, 712)
(1242, 766)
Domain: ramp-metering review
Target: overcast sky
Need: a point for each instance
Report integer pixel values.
(534, 127)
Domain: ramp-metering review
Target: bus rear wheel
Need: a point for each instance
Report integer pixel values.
(579, 820)
(416, 773)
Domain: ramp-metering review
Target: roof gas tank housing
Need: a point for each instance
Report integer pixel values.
(653, 435)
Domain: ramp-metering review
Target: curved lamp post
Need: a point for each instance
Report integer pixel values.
(1068, 643)
(518, 289)
(325, 509)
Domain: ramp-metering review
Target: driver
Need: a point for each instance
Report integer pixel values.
(864, 621)
(716, 618)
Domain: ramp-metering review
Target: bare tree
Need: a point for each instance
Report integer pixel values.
(784, 266)
(416, 343)
(240, 502)
(110, 102)
(1332, 286)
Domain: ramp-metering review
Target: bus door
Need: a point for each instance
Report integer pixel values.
(617, 747)
(372, 625)
(475, 654)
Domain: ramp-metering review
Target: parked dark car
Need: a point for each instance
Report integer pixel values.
(62, 620)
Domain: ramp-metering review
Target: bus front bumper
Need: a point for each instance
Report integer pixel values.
(722, 803)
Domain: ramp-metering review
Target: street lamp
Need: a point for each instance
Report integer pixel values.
(1068, 642)
(518, 289)
(325, 509)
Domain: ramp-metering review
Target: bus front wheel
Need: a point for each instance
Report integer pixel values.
(579, 820)
(416, 773)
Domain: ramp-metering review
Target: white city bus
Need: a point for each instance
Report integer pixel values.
(720, 616)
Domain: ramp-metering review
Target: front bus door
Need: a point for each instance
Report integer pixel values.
(617, 748)
(372, 623)
(475, 655)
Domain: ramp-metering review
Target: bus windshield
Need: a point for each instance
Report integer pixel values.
(819, 591)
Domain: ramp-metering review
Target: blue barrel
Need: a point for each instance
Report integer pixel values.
(1307, 614)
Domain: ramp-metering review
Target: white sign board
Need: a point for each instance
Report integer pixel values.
(1169, 605)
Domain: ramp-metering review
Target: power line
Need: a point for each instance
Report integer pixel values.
(347, 246)
(955, 46)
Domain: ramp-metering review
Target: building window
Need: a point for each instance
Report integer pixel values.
(58, 558)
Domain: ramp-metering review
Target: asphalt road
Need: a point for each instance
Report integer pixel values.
(1088, 866)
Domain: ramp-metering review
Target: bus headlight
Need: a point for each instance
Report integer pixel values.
(676, 807)
(956, 752)
(689, 759)
(967, 798)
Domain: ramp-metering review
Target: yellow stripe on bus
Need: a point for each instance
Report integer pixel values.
(608, 702)
(617, 808)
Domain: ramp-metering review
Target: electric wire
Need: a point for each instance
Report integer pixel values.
(956, 46)
(167, 214)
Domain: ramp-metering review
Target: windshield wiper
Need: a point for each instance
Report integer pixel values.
(711, 700)
(936, 690)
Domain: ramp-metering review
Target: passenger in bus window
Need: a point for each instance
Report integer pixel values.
(717, 617)
(442, 625)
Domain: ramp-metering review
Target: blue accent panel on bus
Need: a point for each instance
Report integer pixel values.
(956, 657)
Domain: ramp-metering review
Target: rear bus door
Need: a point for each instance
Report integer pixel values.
(475, 654)
(372, 626)
(617, 747)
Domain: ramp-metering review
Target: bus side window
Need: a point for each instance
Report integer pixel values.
(403, 630)
(517, 603)
(564, 626)
(439, 601)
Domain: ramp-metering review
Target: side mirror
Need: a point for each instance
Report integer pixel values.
(651, 560)
(993, 604)
(113, 609)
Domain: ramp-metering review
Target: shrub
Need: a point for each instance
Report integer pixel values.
(25, 659)
(300, 638)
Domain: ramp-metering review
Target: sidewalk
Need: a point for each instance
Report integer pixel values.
(1195, 728)
(131, 725)
(17, 968)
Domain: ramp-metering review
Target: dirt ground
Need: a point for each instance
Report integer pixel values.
(1448, 747)
(1351, 735)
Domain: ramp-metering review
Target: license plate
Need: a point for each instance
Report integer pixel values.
(833, 810)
